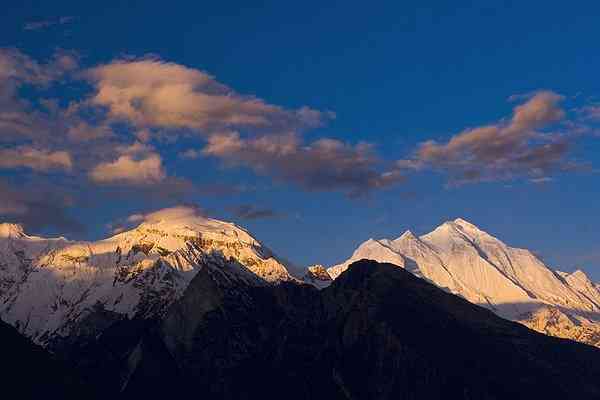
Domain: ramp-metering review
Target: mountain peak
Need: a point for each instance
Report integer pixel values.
(465, 224)
(185, 221)
(317, 276)
(369, 242)
(579, 274)
(8, 230)
(174, 217)
(407, 235)
(458, 226)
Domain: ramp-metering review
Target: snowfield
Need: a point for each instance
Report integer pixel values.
(50, 287)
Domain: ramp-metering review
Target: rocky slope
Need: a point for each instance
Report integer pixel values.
(377, 332)
(512, 282)
(54, 290)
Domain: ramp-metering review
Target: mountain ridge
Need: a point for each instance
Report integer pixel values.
(50, 287)
(513, 282)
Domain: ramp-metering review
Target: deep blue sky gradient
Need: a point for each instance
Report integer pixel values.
(395, 73)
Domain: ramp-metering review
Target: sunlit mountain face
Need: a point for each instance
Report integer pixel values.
(187, 194)
(462, 259)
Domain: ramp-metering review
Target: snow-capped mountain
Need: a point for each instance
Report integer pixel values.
(56, 288)
(512, 282)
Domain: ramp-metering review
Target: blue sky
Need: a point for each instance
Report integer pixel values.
(395, 75)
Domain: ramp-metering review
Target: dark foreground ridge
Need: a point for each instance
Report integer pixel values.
(29, 372)
(377, 332)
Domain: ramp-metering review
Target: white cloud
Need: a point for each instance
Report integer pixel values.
(153, 93)
(127, 169)
(170, 214)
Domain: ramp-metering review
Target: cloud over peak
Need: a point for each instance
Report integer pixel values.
(170, 214)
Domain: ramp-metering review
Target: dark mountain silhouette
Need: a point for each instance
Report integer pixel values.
(377, 332)
(29, 372)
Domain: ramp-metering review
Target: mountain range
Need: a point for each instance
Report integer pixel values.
(52, 289)
(514, 283)
(183, 304)
(377, 332)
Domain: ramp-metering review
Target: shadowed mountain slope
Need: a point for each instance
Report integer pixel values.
(29, 372)
(378, 332)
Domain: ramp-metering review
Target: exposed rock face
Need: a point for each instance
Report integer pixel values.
(377, 332)
(512, 282)
(53, 290)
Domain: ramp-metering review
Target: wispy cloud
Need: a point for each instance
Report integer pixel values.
(503, 150)
(249, 211)
(169, 214)
(323, 165)
(36, 159)
(541, 180)
(20, 120)
(190, 154)
(590, 112)
(39, 25)
(37, 207)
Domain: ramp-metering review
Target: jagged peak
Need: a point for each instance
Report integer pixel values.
(319, 271)
(369, 243)
(464, 224)
(460, 227)
(462, 221)
(316, 267)
(9, 230)
(579, 274)
(375, 243)
(407, 235)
